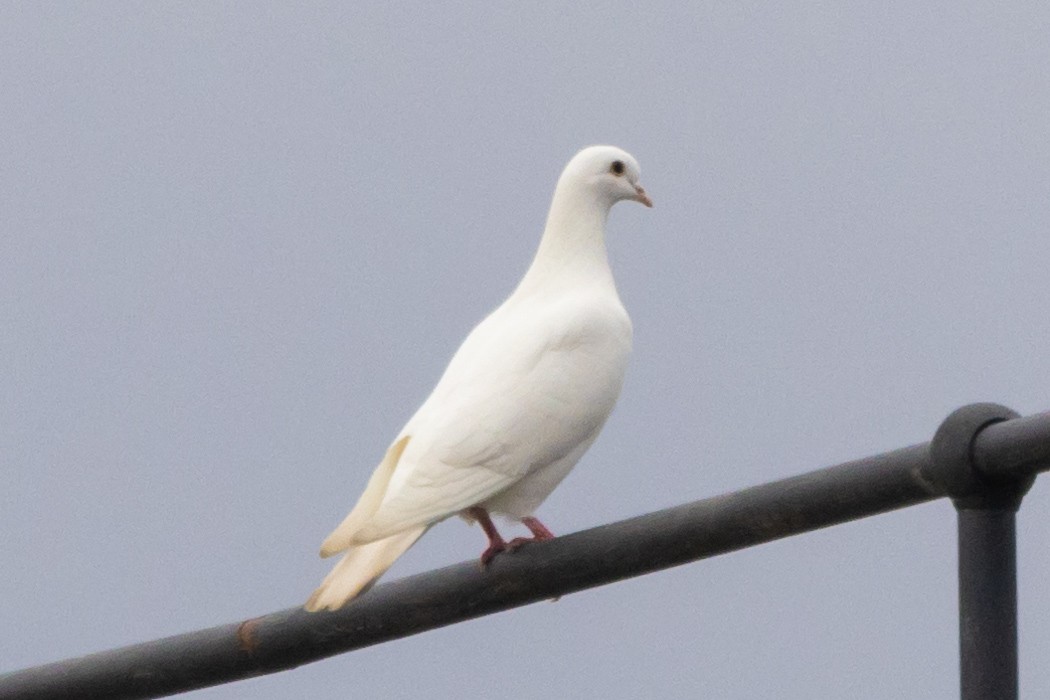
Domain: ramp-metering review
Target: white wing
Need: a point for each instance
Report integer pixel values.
(526, 387)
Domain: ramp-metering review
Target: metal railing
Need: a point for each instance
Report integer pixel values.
(983, 457)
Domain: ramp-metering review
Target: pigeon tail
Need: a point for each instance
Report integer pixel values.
(359, 569)
(342, 537)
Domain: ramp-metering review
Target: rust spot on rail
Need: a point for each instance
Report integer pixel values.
(246, 635)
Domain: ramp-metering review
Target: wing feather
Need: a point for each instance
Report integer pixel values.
(368, 503)
(515, 398)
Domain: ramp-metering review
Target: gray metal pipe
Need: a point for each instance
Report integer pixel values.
(987, 604)
(567, 564)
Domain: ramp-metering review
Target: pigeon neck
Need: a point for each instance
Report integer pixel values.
(573, 243)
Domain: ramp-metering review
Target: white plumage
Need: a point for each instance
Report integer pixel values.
(522, 399)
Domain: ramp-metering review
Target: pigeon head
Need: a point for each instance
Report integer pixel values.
(609, 172)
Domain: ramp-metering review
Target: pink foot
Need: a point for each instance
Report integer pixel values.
(539, 532)
(496, 542)
(493, 549)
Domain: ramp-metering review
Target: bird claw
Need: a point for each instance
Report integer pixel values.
(540, 533)
(489, 554)
(497, 544)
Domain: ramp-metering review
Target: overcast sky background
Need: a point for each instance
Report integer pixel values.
(239, 243)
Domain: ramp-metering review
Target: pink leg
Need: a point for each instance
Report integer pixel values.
(496, 542)
(538, 530)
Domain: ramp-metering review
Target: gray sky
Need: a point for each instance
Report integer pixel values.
(238, 246)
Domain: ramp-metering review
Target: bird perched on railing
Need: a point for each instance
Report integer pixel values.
(522, 399)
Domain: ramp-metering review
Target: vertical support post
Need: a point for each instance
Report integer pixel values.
(988, 603)
(987, 508)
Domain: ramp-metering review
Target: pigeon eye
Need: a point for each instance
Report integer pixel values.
(617, 167)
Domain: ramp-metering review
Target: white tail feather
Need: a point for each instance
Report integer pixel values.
(369, 502)
(360, 567)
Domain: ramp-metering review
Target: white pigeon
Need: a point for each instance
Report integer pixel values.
(520, 402)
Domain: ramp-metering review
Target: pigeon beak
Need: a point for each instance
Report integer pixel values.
(642, 196)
